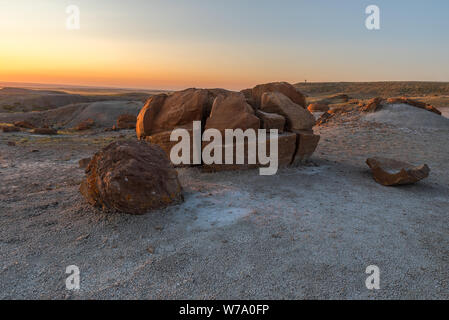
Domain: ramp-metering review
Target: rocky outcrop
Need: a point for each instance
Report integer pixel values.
(132, 177)
(318, 107)
(372, 105)
(255, 94)
(414, 103)
(232, 112)
(126, 121)
(269, 106)
(297, 117)
(390, 172)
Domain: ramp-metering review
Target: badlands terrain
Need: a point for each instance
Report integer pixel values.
(307, 232)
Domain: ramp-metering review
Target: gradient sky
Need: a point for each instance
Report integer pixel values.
(173, 44)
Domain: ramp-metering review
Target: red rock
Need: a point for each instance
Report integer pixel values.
(281, 87)
(44, 131)
(373, 105)
(414, 103)
(132, 177)
(11, 143)
(24, 124)
(271, 121)
(232, 112)
(297, 117)
(390, 172)
(10, 129)
(307, 143)
(286, 151)
(126, 121)
(324, 118)
(85, 125)
(162, 139)
(318, 107)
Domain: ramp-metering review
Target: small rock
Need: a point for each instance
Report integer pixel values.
(390, 172)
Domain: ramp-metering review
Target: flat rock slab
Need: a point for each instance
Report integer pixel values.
(390, 172)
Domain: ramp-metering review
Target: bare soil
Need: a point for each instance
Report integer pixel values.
(307, 232)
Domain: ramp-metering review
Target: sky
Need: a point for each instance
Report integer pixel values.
(233, 44)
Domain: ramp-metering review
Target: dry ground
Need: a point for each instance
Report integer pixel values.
(304, 233)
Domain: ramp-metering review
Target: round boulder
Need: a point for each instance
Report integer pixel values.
(132, 177)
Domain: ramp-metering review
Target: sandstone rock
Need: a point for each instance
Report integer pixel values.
(132, 177)
(24, 124)
(271, 121)
(167, 112)
(281, 87)
(372, 105)
(389, 172)
(126, 121)
(83, 163)
(162, 139)
(297, 117)
(306, 145)
(44, 131)
(286, 151)
(414, 103)
(10, 129)
(232, 112)
(318, 107)
(324, 118)
(85, 125)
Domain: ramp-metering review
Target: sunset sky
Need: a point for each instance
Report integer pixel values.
(232, 44)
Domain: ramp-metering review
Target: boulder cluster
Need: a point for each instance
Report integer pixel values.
(277, 105)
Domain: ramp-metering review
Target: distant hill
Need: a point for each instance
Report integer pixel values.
(363, 90)
(25, 100)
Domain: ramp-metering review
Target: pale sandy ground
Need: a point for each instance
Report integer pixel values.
(305, 233)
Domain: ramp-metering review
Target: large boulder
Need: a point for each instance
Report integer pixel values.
(178, 110)
(255, 94)
(271, 121)
(390, 172)
(297, 117)
(286, 152)
(306, 144)
(132, 177)
(232, 112)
